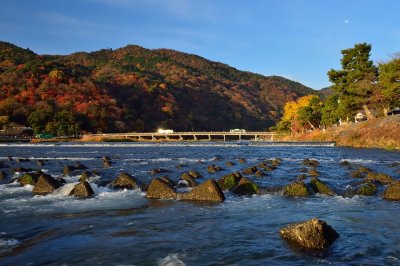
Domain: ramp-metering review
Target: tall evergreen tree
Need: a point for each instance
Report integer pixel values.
(355, 81)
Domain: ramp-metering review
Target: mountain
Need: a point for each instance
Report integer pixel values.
(325, 92)
(136, 89)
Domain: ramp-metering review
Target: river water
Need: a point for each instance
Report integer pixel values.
(124, 228)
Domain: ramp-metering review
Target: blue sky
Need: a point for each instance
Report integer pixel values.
(298, 39)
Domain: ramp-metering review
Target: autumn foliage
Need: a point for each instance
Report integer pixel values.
(136, 89)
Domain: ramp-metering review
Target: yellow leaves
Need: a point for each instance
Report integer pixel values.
(56, 74)
(4, 119)
(163, 86)
(291, 108)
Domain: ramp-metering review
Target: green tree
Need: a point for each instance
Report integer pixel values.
(64, 123)
(354, 82)
(329, 112)
(38, 120)
(388, 95)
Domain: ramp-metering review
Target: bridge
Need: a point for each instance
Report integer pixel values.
(190, 136)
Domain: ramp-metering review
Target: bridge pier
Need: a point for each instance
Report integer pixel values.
(209, 137)
(240, 137)
(180, 137)
(194, 137)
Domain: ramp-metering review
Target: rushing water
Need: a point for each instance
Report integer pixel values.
(124, 228)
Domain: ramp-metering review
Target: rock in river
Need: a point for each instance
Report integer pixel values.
(246, 187)
(124, 181)
(314, 233)
(207, 191)
(82, 190)
(45, 185)
(392, 191)
(159, 189)
(229, 181)
(296, 189)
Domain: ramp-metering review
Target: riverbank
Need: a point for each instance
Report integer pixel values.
(381, 133)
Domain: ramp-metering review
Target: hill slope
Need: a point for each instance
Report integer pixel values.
(137, 89)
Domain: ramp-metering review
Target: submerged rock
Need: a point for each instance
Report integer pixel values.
(45, 185)
(259, 173)
(159, 189)
(229, 164)
(321, 187)
(302, 177)
(80, 166)
(392, 192)
(82, 190)
(157, 171)
(242, 160)
(214, 168)
(312, 163)
(250, 170)
(296, 189)
(314, 233)
(207, 191)
(68, 169)
(380, 177)
(124, 181)
(229, 181)
(246, 187)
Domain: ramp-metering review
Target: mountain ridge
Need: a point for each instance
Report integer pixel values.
(137, 89)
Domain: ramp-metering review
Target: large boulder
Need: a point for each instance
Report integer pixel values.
(159, 189)
(246, 187)
(321, 187)
(45, 185)
(380, 177)
(229, 181)
(82, 190)
(68, 169)
(124, 181)
(167, 180)
(392, 192)
(314, 233)
(207, 191)
(296, 189)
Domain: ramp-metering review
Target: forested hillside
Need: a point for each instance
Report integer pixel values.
(135, 89)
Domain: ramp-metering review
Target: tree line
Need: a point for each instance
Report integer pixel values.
(359, 86)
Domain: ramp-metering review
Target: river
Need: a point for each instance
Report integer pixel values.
(122, 227)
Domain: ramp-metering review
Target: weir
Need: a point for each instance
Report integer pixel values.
(193, 136)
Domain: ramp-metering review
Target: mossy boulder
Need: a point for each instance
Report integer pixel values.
(214, 168)
(313, 234)
(28, 179)
(392, 192)
(367, 189)
(296, 189)
(124, 181)
(45, 185)
(380, 177)
(321, 187)
(250, 170)
(229, 181)
(82, 190)
(159, 189)
(246, 187)
(207, 191)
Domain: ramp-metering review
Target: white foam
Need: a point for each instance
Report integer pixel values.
(8, 243)
(171, 260)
